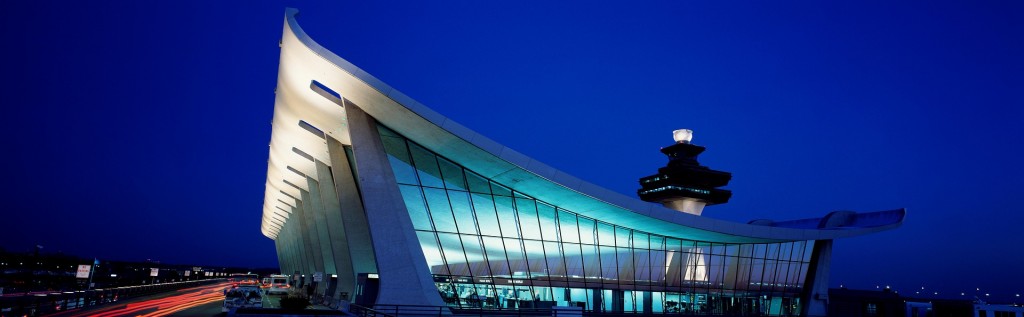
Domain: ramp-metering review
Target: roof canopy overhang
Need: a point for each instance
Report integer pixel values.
(294, 148)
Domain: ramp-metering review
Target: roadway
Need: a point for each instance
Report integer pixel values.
(199, 301)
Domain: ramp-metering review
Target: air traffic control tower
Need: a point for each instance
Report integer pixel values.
(684, 184)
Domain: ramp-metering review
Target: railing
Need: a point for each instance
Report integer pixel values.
(53, 302)
(398, 310)
(557, 311)
(419, 310)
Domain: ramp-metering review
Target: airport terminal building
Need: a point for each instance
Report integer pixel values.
(373, 198)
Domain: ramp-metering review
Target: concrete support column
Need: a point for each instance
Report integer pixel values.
(280, 252)
(816, 287)
(289, 249)
(299, 243)
(316, 205)
(305, 242)
(353, 216)
(404, 275)
(337, 233)
(290, 252)
(310, 235)
(286, 250)
(293, 251)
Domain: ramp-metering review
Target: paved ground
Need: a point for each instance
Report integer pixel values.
(214, 309)
(204, 301)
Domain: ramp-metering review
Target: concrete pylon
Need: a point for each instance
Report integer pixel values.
(337, 234)
(353, 216)
(404, 276)
(816, 286)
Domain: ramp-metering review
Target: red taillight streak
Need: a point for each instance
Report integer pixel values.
(183, 305)
(177, 299)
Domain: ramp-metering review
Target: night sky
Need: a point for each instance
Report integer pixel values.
(139, 130)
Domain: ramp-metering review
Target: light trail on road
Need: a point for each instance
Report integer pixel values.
(181, 300)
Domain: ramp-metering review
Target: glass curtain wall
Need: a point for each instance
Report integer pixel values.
(491, 247)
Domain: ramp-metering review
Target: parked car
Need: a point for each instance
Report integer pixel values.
(242, 296)
(278, 284)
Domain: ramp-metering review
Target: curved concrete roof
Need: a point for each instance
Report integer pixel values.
(292, 147)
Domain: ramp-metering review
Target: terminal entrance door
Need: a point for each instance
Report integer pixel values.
(367, 285)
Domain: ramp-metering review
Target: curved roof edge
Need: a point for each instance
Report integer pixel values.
(529, 176)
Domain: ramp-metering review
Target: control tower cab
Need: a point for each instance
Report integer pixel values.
(684, 184)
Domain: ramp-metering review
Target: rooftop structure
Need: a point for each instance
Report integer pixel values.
(684, 184)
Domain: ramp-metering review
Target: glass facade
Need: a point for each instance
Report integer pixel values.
(491, 247)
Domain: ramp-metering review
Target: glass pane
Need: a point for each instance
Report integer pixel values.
(462, 210)
(477, 183)
(641, 264)
(500, 190)
(567, 227)
(657, 242)
(452, 174)
(591, 263)
(622, 237)
(605, 234)
(528, 218)
(573, 261)
(641, 240)
(548, 226)
(440, 211)
(673, 245)
(516, 258)
(475, 255)
(625, 264)
(485, 215)
(588, 233)
(556, 265)
(717, 249)
(451, 245)
(398, 157)
(657, 267)
(496, 256)
(427, 166)
(609, 264)
(781, 275)
(506, 216)
(808, 250)
(432, 253)
(803, 273)
(535, 256)
(732, 250)
(768, 277)
(415, 205)
(786, 251)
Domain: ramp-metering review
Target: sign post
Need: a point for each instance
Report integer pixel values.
(84, 275)
(84, 271)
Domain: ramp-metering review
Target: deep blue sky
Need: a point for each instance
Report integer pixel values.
(137, 130)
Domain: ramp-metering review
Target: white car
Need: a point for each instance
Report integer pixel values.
(244, 296)
(278, 284)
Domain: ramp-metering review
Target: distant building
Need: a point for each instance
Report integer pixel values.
(374, 198)
(863, 303)
(885, 303)
(992, 310)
